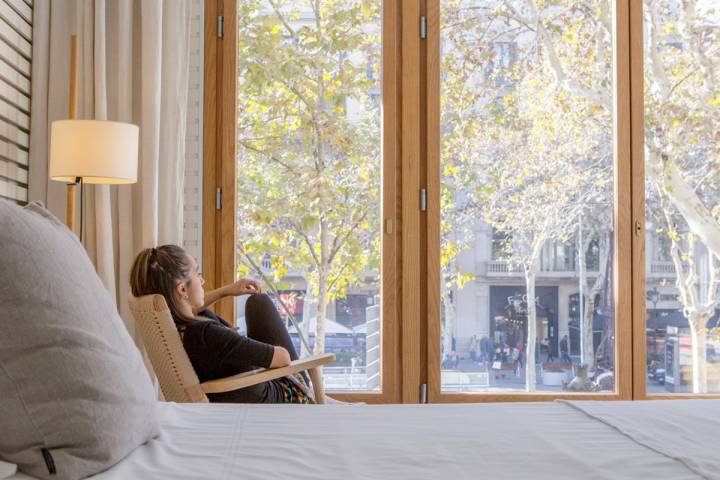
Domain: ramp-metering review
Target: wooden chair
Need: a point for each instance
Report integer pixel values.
(177, 378)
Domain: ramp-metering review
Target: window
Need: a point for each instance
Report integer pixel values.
(532, 156)
(681, 185)
(307, 201)
(489, 217)
(501, 243)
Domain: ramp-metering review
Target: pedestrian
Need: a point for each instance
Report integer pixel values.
(564, 354)
(483, 348)
(454, 359)
(505, 352)
(549, 351)
(521, 353)
(474, 346)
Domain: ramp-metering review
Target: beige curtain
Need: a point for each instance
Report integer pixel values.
(133, 67)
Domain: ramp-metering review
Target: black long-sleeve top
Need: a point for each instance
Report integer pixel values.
(216, 350)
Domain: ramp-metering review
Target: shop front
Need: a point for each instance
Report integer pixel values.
(509, 317)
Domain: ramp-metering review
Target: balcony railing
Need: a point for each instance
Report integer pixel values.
(662, 268)
(501, 268)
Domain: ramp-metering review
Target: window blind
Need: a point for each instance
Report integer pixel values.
(15, 89)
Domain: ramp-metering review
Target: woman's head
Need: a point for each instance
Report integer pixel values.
(169, 271)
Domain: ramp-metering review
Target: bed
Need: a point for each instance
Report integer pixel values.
(557, 440)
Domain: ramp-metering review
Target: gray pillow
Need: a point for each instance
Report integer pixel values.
(75, 397)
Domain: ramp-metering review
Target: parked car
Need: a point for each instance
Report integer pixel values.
(656, 372)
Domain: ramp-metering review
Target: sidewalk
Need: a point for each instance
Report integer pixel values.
(454, 380)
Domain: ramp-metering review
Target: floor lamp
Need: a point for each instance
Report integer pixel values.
(90, 151)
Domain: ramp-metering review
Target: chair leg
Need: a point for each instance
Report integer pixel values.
(317, 381)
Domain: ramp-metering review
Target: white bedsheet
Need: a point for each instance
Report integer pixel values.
(686, 430)
(440, 442)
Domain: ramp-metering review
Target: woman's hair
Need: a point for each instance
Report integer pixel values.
(158, 271)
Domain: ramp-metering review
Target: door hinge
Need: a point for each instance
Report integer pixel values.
(218, 198)
(220, 26)
(423, 200)
(423, 27)
(423, 393)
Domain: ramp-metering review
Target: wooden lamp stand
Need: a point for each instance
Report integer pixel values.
(72, 115)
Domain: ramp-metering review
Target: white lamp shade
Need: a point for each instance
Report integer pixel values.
(97, 151)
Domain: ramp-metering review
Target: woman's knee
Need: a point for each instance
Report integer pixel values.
(259, 300)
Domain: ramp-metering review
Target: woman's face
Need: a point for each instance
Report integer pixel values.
(195, 290)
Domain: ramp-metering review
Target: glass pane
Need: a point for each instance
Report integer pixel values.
(309, 157)
(527, 196)
(682, 179)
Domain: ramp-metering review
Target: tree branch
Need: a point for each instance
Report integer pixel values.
(302, 233)
(337, 245)
(282, 19)
(276, 294)
(268, 155)
(560, 76)
(332, 283)
(654, 47)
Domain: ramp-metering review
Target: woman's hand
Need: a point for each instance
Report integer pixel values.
(244, 286)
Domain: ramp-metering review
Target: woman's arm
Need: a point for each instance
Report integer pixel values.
(221, 346)
(241, 287)
(213, 296)
(281, 358)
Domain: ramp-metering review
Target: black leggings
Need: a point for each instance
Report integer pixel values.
(264, 325)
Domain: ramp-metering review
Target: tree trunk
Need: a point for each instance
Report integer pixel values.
(321, 316)
(588, 356)
(697, 314)
(607, 345)
(586, 303)
(449, 324)
(698, 334)
(589, 306)
(308, 304)
(683, 196)
(322, 302)
(530, 380)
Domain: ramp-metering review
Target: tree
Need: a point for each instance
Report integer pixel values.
(458, 214)
(682, 154)
(594, 239)
(564, 51)
(309, 143)
(506, 120)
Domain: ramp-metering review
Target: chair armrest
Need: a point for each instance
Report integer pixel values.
(260, 375)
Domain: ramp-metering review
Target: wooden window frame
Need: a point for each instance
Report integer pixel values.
(218, 257)
(411, 150)
(219, 171)
(637, 127)
(622, 232)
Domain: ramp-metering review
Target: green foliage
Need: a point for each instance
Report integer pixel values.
(527, 151)
(309, 173)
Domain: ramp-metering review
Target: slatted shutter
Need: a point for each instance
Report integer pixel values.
(15, 61)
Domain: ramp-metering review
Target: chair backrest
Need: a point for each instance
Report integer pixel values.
(178, 380)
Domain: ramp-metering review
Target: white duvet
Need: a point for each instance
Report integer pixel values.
(560, 440)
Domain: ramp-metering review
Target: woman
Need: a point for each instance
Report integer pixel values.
(215, 349)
